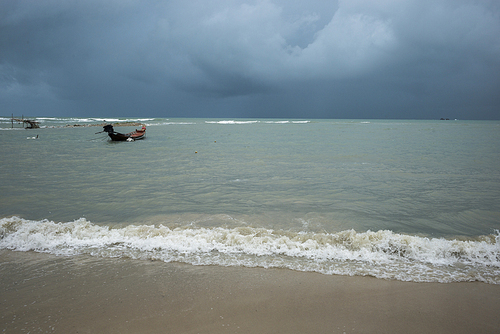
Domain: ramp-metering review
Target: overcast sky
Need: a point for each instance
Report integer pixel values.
(417, 59)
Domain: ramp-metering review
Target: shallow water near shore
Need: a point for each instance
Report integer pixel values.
(408, 200)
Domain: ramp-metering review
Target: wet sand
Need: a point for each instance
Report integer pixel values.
(48, 294)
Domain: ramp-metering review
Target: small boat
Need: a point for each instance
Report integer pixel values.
(131, 136)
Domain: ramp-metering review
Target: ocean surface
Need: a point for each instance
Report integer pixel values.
(408, 200)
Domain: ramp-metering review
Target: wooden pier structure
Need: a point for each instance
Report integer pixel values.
(27, 123)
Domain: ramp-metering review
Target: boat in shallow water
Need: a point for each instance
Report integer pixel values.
(131, 136)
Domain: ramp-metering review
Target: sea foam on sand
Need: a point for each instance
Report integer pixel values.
(82, 294)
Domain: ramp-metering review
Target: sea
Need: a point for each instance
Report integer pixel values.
(408, 200)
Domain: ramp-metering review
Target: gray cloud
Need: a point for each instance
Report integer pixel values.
(229, 58)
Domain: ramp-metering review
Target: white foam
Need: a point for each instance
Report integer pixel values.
(232, 122)
(382, 254)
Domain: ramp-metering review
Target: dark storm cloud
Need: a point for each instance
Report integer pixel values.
(230, 58)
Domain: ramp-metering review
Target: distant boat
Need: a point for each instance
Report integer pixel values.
(131, 136)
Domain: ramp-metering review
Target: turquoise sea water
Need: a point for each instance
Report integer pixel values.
(400, 199)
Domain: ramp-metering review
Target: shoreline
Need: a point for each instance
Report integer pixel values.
(81, 294)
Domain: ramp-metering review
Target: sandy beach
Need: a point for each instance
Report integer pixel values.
(49, 294)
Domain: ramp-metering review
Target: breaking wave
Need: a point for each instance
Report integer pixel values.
(382, 254)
